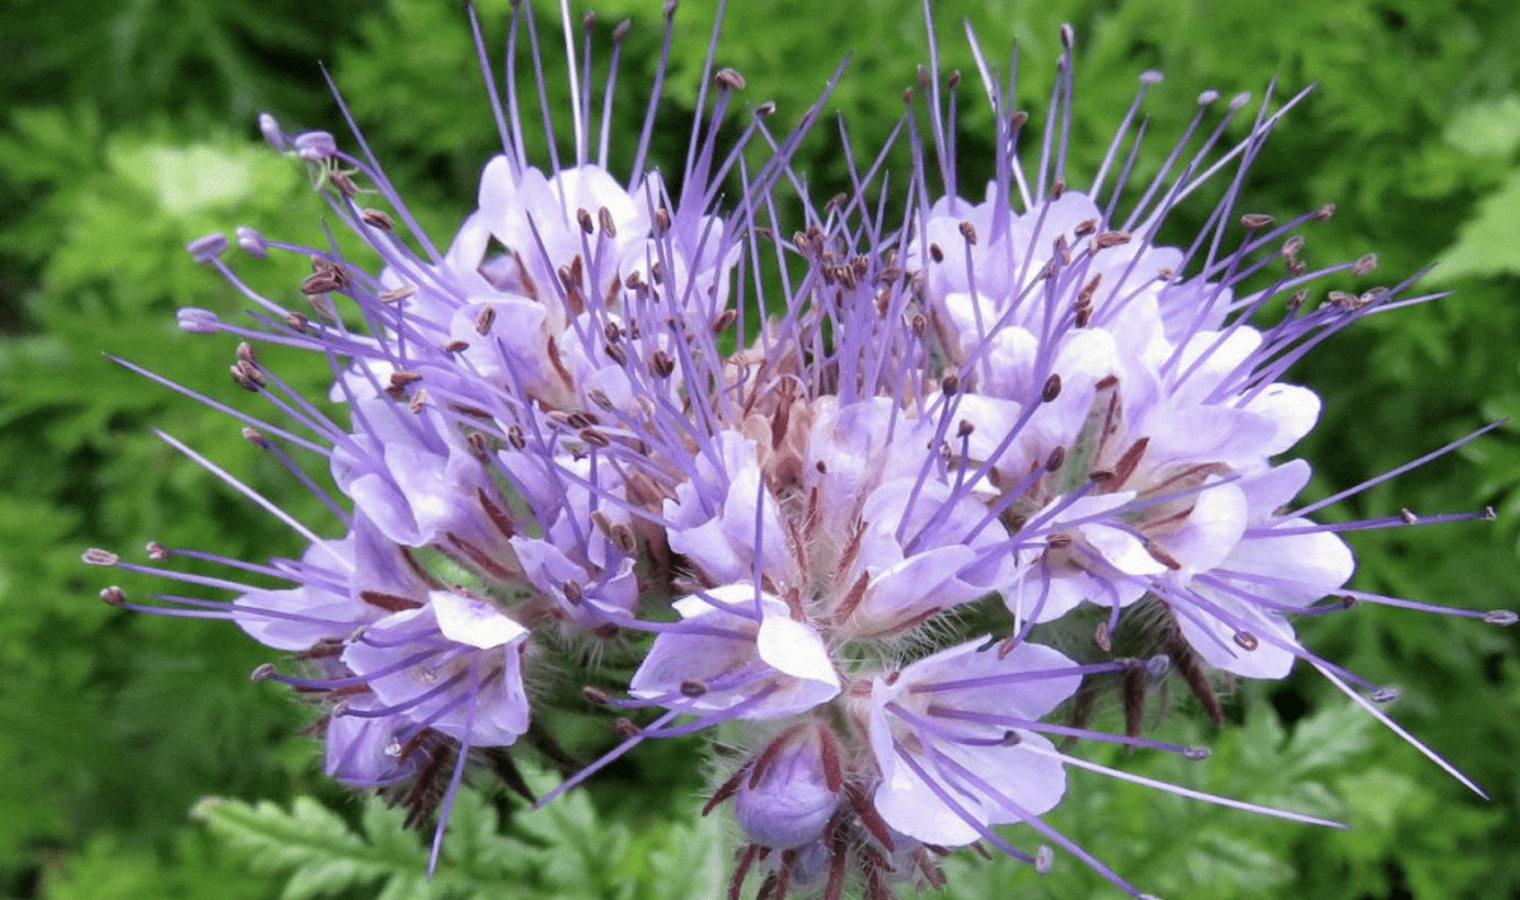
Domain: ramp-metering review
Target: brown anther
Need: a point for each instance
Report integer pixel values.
(1051, 389)
(625, 729)
(604, 219)
(965, 429)
(1254, 221)
(1408, 516)
(661, 221)
(264, 672)
(342, 182)
(1292, 245)
(919, 323)
(657, 272)
(1297, 300)
(403, 377)
(1246, 640)
(1365, 264)
(456, 346)
(485, 320)
(595, 695)
(247, 377)
(253, 437)
(515, 437)
(1297, 267)
(724, 319)
(729, 78)
(693, 688)
(623, 538)
(1058, 188)
(968, 231)
(1055, 460)
(935, 253)
(617, 353)
(388, 602)
(950, 384)
(573, 592)
(600, 398)
(593, 437)
(377, 219)
(297, 321)
(1110, 239)
(319, 283)
(1342, 299)
(661, 364)
(583, 219)
(397, 294)
(114, 596)
(1017, 120)
(765, 109)
(1324, 212)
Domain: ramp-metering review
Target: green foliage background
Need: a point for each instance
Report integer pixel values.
(128, 130)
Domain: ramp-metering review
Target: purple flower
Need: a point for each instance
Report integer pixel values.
(848, 543)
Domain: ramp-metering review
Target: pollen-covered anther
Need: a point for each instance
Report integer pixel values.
(1044, 859)
(1109, 239)
(1254, 221)
(264, 672)
(208, 247)
(114, 596)
(1292, 246)
(729, 78)
(1365, 264)
(1297, 300)
(157, 551)
(247, 376)
(377, 219)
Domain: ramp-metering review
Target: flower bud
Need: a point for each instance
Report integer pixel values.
(785, 801)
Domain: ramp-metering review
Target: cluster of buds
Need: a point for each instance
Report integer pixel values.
(839, 497)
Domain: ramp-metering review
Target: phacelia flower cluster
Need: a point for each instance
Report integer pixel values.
(836, 488)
